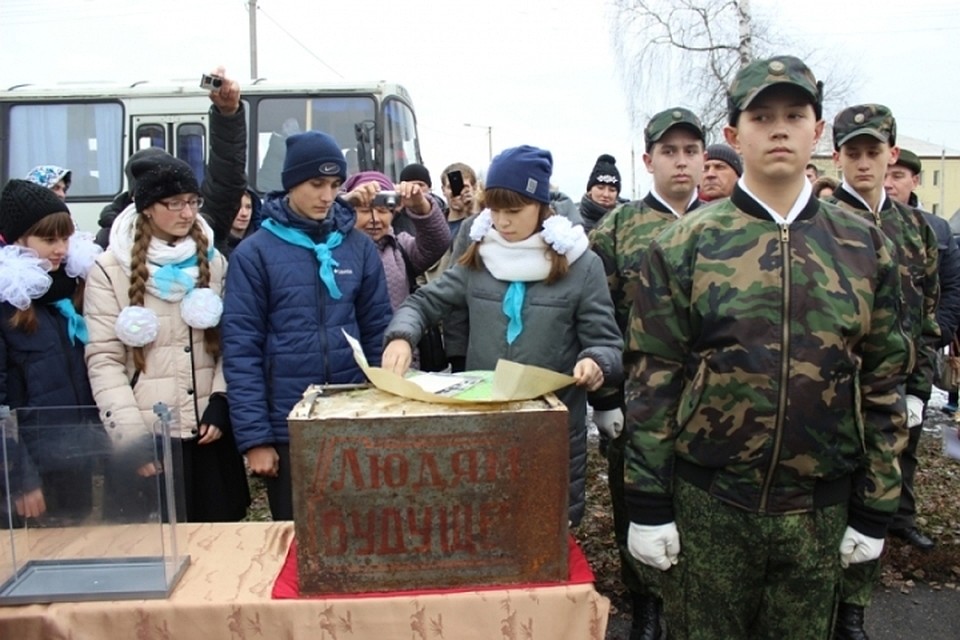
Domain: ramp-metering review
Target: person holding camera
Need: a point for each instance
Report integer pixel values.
(405, 256)
(292, 286)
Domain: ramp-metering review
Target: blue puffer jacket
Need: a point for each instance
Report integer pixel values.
(282, 330)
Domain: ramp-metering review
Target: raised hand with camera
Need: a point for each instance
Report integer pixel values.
(224, 91)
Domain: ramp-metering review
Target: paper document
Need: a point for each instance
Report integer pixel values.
(509, 382)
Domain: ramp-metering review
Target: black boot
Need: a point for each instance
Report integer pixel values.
(647, 614)
(850, 623)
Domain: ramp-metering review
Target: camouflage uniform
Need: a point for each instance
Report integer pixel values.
(767, 382)
(620, 239)
(916, 258)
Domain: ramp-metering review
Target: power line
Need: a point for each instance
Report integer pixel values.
(294, 38)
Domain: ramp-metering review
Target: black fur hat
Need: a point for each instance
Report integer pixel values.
(160, 176)
(22, 205)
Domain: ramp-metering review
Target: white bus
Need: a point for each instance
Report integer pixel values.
(92, 130)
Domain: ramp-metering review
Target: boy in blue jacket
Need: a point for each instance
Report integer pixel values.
(291, 287)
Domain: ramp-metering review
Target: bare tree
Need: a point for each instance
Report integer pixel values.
(688, 51)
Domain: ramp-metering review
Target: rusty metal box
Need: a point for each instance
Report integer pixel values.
(393, 494)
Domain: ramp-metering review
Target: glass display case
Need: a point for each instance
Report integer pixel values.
(88, 508)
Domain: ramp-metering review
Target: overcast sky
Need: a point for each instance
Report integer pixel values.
(540, 72)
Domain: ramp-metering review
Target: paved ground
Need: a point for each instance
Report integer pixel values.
(923, 614)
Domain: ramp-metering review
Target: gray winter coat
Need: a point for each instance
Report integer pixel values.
(562, 323)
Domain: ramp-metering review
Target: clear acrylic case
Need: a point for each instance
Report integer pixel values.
(82, 517)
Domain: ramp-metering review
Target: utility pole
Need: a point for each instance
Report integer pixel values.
(489, 129)
(252, 12)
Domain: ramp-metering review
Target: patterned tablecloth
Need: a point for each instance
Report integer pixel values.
(226, 593)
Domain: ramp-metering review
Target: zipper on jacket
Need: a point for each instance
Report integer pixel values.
(193, 381)
(68, 352)
(323, 333)
(784, 368)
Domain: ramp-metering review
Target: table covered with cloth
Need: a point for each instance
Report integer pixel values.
(241, 584)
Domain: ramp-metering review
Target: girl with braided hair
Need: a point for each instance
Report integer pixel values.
(153, 309)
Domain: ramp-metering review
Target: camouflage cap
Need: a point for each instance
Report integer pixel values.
(910, 160)
(864, 119)
(666, 120)
(759, 75)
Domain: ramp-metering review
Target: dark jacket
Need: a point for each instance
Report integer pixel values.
(256, 217)
(223, 183)
(948, 269)
(43, 370)
(281, 327)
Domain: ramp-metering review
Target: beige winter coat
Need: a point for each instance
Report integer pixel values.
(178, 372)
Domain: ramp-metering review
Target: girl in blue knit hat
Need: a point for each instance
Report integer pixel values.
(534, 294)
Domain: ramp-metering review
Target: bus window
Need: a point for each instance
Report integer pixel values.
(151, 135)
(399, 138)
(191, 147)
(278, 118)
(86, 138)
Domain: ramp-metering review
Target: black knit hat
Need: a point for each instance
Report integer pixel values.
(22, 205)
(605, 172)
(416, 172)
(160, 176)
(725, 153)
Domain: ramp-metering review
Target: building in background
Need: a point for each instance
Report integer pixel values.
(939, 189)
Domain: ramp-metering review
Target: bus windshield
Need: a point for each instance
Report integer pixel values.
(351, 121)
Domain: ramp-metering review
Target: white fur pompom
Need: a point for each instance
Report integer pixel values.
(137, 326)
(82, 254)
(201, 308)
(481, 225)
(23, 276)
(560, 234)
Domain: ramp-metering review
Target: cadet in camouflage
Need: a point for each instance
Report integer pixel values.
(675, 157)
(864, 139)
(766, 391)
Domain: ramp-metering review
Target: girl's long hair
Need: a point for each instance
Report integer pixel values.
(139, 274)
(498, 198)
(56, 225)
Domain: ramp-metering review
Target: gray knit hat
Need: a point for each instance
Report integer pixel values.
(725, 153)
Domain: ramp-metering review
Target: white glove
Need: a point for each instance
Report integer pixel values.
(856, 547)
(914, 411)
(654, 545)
(609, 422)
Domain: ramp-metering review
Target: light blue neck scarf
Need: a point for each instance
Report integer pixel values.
(170, 274)
(323, 250)
(512, 308)
(76, 327)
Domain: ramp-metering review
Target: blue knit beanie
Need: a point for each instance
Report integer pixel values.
(312, 154)
(525, 170)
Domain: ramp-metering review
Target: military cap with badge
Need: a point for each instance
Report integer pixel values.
(873, 120)
(666, 120)
(760, 75)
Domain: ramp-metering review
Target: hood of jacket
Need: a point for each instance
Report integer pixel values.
(341, 217)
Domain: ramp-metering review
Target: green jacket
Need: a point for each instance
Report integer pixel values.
(916, 255)
(620, 239)
(770, 365)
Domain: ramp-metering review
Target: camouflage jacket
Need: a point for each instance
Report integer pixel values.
(779, 381)
(916, 254)
(620, 239)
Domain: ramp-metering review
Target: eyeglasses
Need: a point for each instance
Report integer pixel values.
(180, 205)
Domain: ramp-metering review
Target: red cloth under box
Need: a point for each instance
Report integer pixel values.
(287, 584)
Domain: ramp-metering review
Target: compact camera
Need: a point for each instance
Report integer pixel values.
(388, 199)
(210, 83)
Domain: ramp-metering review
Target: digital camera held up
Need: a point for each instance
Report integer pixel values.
(386, 199)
